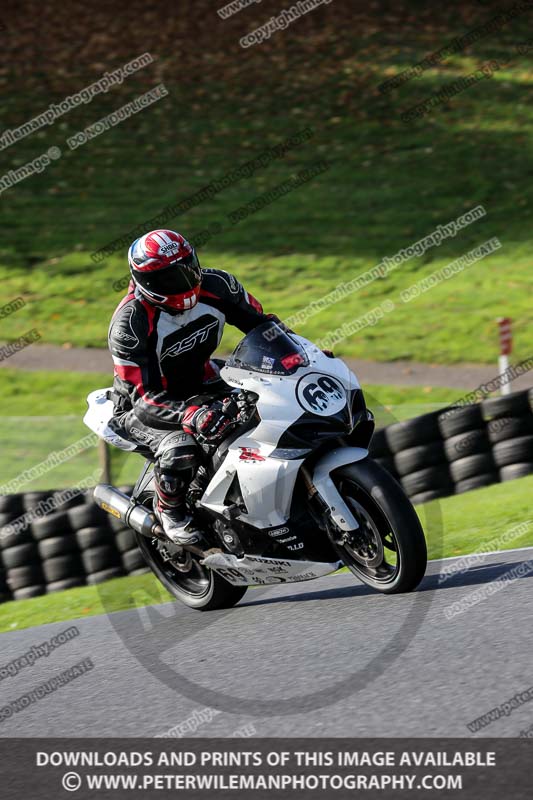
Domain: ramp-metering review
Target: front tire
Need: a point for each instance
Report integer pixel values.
(388, 552)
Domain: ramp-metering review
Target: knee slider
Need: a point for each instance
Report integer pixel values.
(168, 484)
(177, 452)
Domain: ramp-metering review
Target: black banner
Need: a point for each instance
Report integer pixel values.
(259, 768)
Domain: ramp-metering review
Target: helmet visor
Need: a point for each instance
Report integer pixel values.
(178, 278)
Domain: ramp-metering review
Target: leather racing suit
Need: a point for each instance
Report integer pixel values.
(163, 357)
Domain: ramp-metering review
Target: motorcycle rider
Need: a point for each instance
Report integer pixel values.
(161, 338)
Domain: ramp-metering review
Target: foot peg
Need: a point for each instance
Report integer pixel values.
(178, 527)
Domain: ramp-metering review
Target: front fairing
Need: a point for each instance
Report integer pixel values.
(318, 399)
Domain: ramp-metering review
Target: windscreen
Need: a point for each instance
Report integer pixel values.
(270, 350)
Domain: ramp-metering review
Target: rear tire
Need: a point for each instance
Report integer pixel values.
(209, 590)
(212, 590)
(201, 589)
(383, 501)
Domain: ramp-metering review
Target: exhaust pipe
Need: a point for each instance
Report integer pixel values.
(132, 514)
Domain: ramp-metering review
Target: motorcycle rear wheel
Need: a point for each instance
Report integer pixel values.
(199, 588)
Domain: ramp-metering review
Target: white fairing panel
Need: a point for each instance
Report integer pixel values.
(282, 399)
(267, 483)
(259, 571)
(323, 483)
(97, 419)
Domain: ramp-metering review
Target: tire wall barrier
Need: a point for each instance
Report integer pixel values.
(459, 448)
(77, 544)
(436, 455)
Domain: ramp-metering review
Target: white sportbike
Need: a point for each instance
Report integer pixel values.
(289, 495)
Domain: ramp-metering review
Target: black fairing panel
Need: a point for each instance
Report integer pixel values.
(299, 539)
(352, 423)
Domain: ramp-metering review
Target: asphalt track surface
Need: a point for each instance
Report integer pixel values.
(400, 667)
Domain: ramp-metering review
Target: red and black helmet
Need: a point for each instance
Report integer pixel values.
(165, 268)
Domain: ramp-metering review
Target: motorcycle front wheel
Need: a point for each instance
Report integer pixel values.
(388, 551)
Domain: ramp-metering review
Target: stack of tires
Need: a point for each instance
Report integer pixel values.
(55, 540)
(419, 458)
(380, 451)
(19, 553)
(9, 510)
(74, 545)
(5, 592)
(509, 421)
(94, 537)
(131, 557)
(460, 448)
(467, 448)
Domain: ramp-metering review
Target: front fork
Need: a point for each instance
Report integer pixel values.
(321, 486)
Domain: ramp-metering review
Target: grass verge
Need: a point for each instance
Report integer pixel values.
(389, 181)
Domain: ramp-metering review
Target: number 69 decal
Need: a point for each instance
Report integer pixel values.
(320, 394)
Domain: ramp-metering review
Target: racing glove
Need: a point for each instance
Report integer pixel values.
(209, 423)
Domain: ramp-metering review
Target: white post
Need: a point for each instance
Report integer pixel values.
(503, 365)
(506, 346)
